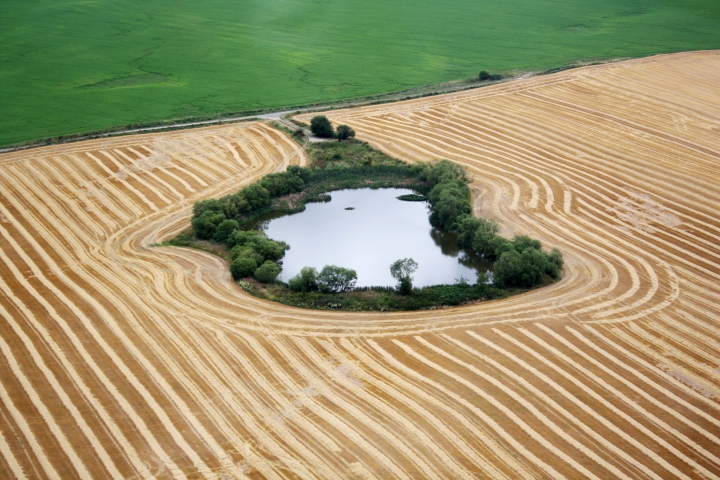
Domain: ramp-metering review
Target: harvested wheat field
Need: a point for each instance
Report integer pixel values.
(122, 360)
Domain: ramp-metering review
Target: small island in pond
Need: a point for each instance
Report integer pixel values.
(231, 228)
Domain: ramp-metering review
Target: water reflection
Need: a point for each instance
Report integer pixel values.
(377, 231)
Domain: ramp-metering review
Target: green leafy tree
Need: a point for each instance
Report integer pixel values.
(449, 204)
(225, 228)
(333, 279)
(523, 242)
(555, 263)
(534, 264)
(267, 272)
(524, 270)
(499, 245)
(305, 281)
(241, 237)
(206, 224)
(278, 184)
(507, 269)
(269, 249)
(344, 132)
(466, 227)
(242, 267)
(239, 251)
(256, 195)
(320, 126)
(203, 206)
(402, 271)
(445, 170)
(483, 237)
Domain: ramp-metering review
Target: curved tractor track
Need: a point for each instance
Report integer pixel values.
(123, 360)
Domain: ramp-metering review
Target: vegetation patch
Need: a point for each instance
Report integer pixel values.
(519, 264)
(412, 197)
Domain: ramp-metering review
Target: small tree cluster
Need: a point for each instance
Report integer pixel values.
(253, 254)
(215, 219)
(320, 126)
(518, 263)
(485, 76)
(331, 279)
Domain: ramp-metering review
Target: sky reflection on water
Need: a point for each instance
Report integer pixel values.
(379, 230)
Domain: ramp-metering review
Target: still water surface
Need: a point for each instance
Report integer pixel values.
(379, 230)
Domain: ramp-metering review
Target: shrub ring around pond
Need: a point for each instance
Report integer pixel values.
(519, 264)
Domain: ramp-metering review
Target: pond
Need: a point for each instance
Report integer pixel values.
(367, 230)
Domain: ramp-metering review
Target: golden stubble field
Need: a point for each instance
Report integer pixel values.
(122, 360)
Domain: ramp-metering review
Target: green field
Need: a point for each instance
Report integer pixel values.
(73, 66)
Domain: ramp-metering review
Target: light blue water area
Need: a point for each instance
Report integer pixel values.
(377, 231)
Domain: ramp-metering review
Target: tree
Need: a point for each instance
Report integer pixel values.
(305, 281)
(267, 272)
(555, 263)
(499, 245)
(256, 195)
(344, 132)
(241, 237)
(240, 251)
(534, 264)
(523, 242)
(333, 279)
(206, 224)
(225, 228)
(320, 126)
(269, 249)
(485, 232)
(514, 269)
(242, 267)
(507, 269)
(402, 271)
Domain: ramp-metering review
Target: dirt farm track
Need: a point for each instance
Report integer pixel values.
(123, 360)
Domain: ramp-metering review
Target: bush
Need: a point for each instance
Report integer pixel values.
(242, 267)
(267, 272)
(305, 281)
(344, 132)
(320, 126)
(333, 279)
(484, 76)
